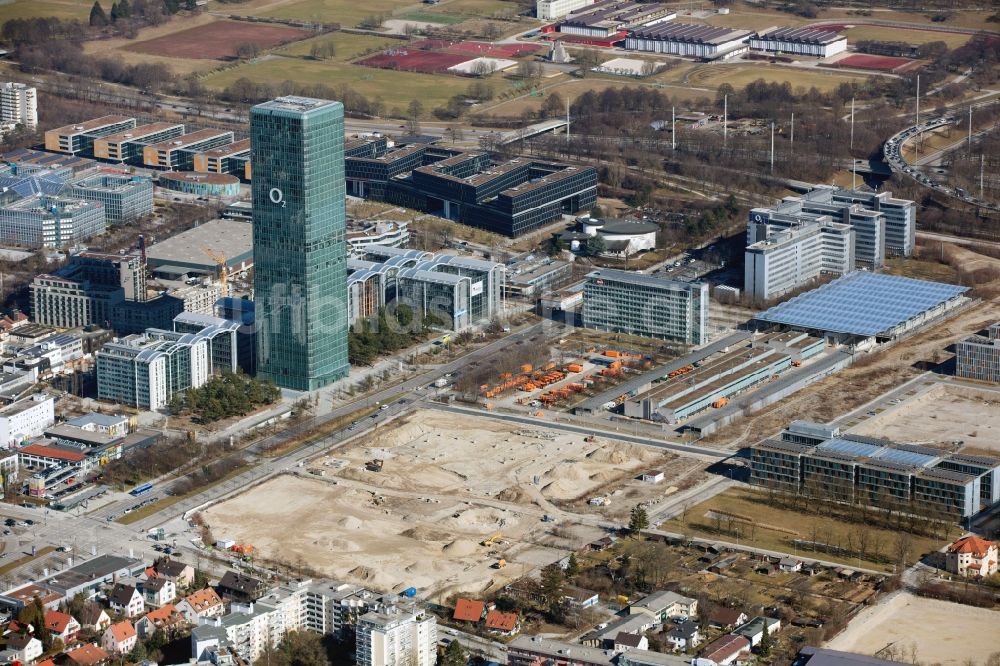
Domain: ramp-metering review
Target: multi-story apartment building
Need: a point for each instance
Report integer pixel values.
(639, 304)
(787, 251)
(26, 418)
(397, 635)
(86, 290)
(18, 104)
(124, 198)
(146, 371)
(978, 357)
(42, 220)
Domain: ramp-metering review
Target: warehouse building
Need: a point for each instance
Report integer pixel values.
(721, 376)
(80, 137)
(125, 198)
(814, 42)
(127, 146)
(194, 252)
(863, 307)
(178, 154)
(42, 220)
(978, 357)
(879, 473)
(146, 370)
(645, 305)
(685, 39)
(231, 159)
(788, 251)
(612, 18)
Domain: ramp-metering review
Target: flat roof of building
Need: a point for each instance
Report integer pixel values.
(90, 125)
(802, 35)
(231, 238)
(236, 147)
(200, 177)
(690, 33)
(296, 104)
(187, 139)
(139, 132)
(862, 303)
(641, 279)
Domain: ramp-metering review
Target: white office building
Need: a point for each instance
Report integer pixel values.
(900, 216)
(786, 251)
(550, 10)
(397, 636)
(799, 41)
(146, 370)
(26, 418)
(18, 104)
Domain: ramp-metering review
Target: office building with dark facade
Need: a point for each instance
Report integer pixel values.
(511, 198)
(874, 472)
(299, 241)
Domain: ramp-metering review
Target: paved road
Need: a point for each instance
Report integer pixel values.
(688, 449)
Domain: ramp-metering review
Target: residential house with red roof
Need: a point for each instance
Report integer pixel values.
(499, 622)
(726, 650)
(201, 604)
(87, 654)
(469, 610)
(972, 556)
(62, 626)
(119, 638)
(167, 618)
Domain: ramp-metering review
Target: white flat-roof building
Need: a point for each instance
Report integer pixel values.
(684, 39)
(19, 104)
(978, 357)
(396, 635)
(26, 418)
(814, 42)
(550, 10)
(146, 370)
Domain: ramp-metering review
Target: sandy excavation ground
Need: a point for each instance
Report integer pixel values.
(942, 414)
(940, 632)
(448, 482)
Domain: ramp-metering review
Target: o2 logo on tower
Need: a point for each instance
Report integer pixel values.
(277, 196)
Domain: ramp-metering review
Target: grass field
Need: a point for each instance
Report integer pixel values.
(777, 528)
(915, 37)
(432, 17)
(396, 88)
(349, 46)
(712, 76)
(477, 7)
(64, 9)
(344, 12)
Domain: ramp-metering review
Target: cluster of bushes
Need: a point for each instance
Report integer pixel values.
(228, 394)
(388, 332)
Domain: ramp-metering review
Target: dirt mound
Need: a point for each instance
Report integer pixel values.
(425, 534)
(350, 523)
(363, 573)
(567, 472)
(616, 455)
(460, 548)
(603, 477)
(512, 494)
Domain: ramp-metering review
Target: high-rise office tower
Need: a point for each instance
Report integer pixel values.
(299, 245)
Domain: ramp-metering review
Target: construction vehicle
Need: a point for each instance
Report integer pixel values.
(720, 402)
(374, 465)
(548, 519)
(220, 261)
(500, 564)
(796, 364)
(622, 599)
(491, 540)
(574, 367)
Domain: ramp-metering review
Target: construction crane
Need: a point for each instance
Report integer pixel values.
(220, 260)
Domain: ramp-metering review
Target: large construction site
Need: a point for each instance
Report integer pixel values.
(448, 502)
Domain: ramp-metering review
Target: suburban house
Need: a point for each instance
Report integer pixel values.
(158, 592)
(201, 604)
(94, 617)
(661, 606)
(753, 630)
(604, 638)
(972, 556)
(181, 574)
(726, 650)
(241, 588)
(23, 647)
(62, 626)
(469, 610)
(726, 618)
(126, 600)
(87, 654)
(685, 636)
(119, 638)
(166, 617)
(627, 641)
(499, 622)
(790, 565)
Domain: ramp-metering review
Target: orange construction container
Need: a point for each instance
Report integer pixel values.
(611, 353)
(615, 365)
(721, 402)
(574, 367)
(526, 367)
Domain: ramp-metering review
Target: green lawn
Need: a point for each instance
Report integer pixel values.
(478, 7)
(344, 12)
(349, 46)
(66, 9)
(397, 89)
(917, 37)
(431, 17)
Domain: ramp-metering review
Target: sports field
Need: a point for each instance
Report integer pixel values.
(915, 37)
(712, 76)
(218, 40)
(348, 45)
(344, 12)
(878, 63)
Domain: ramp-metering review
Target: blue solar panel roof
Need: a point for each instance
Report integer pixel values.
(906, 457)
(848, 447)
(861, 303)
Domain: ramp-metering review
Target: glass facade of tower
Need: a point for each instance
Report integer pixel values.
(300, 252)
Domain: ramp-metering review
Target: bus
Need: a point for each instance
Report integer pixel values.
(139, 491)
